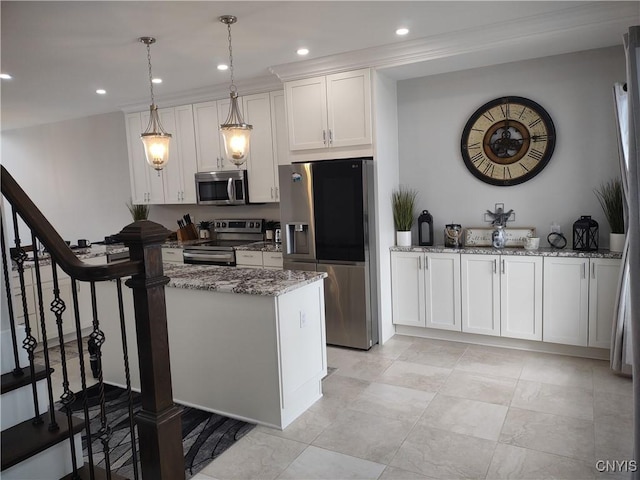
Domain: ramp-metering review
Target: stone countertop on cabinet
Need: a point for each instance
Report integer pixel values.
(261, 247)
(544, 252)
(82, 253)
(252, 281)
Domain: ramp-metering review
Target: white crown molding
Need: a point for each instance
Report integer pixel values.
(522, 31)
(266, 83)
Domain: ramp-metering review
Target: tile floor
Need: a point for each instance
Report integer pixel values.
(419, 408)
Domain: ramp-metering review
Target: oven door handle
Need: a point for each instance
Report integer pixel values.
(231, 191)
(207, 256)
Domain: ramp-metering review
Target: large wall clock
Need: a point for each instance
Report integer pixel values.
(508, 141)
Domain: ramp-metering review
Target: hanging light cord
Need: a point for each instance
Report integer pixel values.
(150, 75)
(232, 87)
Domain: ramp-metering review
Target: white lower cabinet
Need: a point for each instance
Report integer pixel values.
(566, 300)
(579, 299)
(603, 289)
(426, 289)
(258, 259)
(502, 295)
(172, 255)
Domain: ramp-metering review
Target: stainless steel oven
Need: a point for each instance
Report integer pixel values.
(220, 250)
(222, 188)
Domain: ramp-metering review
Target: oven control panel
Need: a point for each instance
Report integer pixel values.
(238, 226)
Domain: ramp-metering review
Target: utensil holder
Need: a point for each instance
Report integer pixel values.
(187, 232)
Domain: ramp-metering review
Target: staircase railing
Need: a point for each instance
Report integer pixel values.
(158, 423)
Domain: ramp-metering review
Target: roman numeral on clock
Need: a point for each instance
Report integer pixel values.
(488, 116)
(535, 154)
(477, 157)
(506, 173)
(535, 122)
(488, 169)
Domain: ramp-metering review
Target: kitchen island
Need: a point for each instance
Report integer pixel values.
(245, 343)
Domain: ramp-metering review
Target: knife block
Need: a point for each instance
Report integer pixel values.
(187, 232)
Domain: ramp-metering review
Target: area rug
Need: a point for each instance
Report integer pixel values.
(205, 435)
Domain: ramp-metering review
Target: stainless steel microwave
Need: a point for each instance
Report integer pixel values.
(222, 188)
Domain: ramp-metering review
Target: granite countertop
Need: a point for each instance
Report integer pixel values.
(544, 252)
(261, 247)
(82, 253)
(252, 281)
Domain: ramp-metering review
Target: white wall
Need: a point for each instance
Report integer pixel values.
(576, 90)
(77, 174)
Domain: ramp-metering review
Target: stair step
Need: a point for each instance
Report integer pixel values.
(25, 439)
(12, 382)
(84, 473)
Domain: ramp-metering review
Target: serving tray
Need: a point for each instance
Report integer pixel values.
(481, 236)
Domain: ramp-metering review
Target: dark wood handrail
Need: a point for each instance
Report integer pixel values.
(59, 251)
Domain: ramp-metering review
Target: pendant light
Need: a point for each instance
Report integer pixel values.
(235, 133)
(154, 138)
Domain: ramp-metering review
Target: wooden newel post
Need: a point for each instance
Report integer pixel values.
(159, 422)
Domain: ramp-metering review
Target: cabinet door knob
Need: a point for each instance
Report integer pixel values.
(495, 266)
(419, 263)
(324, 137)
(330, 137)
(503, 267)
(593, 270)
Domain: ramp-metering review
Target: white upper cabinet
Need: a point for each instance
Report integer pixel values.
(330, 111)
(279, 129)
(147, 186)
(181, 169)
(208, 116)
(261, 168)
(175, 183)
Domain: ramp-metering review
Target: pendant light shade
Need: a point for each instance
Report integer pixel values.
(155, 139)
(236, 133)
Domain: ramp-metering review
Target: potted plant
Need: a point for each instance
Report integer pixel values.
(138, 212)
(403, 203)
(204, 228)
(611, 200)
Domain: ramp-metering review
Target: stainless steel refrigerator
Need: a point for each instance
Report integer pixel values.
(327, 213)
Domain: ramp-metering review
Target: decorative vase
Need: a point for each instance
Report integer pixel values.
(498, 237)
(403, 238)
(204, 233)
(616, 242)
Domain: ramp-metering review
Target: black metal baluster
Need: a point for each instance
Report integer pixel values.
(67, 398)
(53, 425)
(83, 378)
(98, 338)
(17, 370)
(127, 374)
(29, 343)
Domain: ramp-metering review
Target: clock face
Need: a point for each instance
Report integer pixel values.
(508, 141)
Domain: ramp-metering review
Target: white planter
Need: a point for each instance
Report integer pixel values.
(403, 239)
(616, 242)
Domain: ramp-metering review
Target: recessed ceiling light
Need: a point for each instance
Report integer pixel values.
(101, 91)
(222, 66)
(157, 80)
(402, 31)
(5, 76)
(302, 51)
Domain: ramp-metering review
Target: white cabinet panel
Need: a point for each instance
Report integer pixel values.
(442, 291)
(262, 172)
(407, 289)
(207, 118)
(248, 258)
(181, 169)
(280, 132)
(146, 184)
(272, 259)
(603, 288)
(349, 108)
(521, 297)
(172, 255)
(307, 113)
(480, 294)
(566, 300)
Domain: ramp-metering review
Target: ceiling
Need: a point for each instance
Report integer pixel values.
(59, 53)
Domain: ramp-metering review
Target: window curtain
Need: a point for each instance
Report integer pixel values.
(621, 353)
(632, 50)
